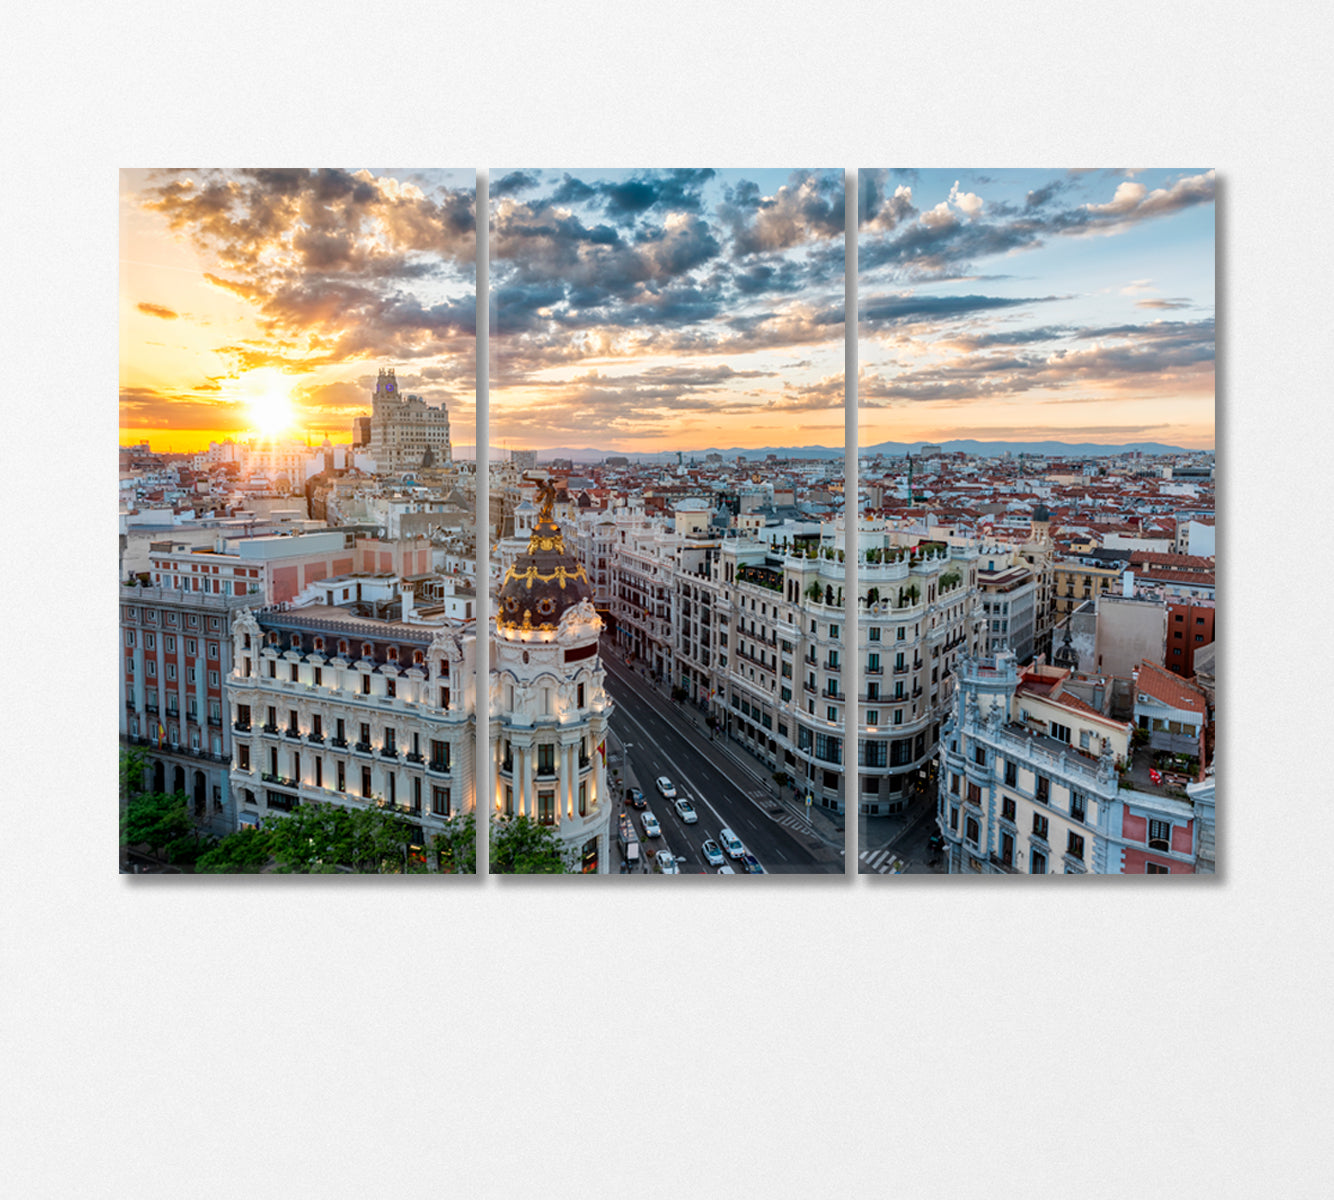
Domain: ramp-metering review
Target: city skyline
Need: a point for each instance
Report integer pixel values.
(260, 303)
(667, 309)
(1019, 305)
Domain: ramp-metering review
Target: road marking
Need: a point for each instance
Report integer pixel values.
(677, 767)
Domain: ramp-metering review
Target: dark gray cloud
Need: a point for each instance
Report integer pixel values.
(901, 310)
(514, 182)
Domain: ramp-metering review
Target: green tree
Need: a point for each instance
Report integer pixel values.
(323, 838)
(456, 846)
(245, 852)
(155, 819)
(520, 846)
(133, 764)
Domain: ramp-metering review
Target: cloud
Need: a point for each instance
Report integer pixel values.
(157, 310)
(514, 181)
(963, 228)
(809, 207)
(1177, 302)
(910, 307)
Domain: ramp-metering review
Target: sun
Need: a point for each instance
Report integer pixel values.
(267, 395)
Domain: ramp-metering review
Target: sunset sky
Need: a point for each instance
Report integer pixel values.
(1027, 305)
(263, 302)
(666, 309)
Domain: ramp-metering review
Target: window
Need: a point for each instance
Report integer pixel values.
(341, 772)
(169, 644)
(971, 831)
(440, 801)
(874, 633)
(1153, 868)
(365, 739)
(873, 716)
(583, 799)
(1042, 789)
(1011, 773)
(1160, 835)
(213, 679)
(295, 676)
(190, 675)
(171, 670)
(1060, 732)
(831, 713)
(980, 756)
(546, 808)
(1007, 808)
(243, 758)
(129, 637)
(389, 747)
(365, 781)
(954, 818)
(1040, 826)
(365, 685)
(152, 667)
(1037, 863)
(1074, 845)
(1077, 806)
(954, 784)
(191, 646)
(546, 759)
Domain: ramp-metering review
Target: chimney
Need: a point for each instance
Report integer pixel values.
(406, 596)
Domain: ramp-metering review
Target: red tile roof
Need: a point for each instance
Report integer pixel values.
(1170, 689)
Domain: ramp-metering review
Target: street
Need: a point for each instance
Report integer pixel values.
(899, 844)
(656, 736)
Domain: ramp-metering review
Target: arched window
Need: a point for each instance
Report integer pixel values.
(319, 645)
(367, 650)
(342, 645)
(391, 655)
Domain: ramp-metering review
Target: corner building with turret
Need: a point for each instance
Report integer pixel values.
(549, 706)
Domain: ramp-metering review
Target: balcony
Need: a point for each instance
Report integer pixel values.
(338, 743)
(270, 728)
(388, 752)
(831, 693)
(413, 757)
(901, 669)
(317, 738)
(241, 728)
(363, 748)
(874, 671)
(295, 734)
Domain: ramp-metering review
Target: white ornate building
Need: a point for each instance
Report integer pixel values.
(549, 708)
(328, 706)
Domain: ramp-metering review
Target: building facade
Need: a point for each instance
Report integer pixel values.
(406, 432)
(330, 707)
(549, 707)
(177, 650)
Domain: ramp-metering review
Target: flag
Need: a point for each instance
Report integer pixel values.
(161, 735)
(602, 749)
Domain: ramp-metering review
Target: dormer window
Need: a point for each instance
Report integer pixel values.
(319, 645)
(296, 641)
(391, 655)
(367, 650)
(418, 658)
(342, 646)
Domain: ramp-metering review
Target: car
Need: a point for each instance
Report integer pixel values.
(731, 843)
(686, 811)
(666, 863)
(752, 864)
(666, 788)
(725, 870)
(713, 853)
(635, 797)
(651, 826)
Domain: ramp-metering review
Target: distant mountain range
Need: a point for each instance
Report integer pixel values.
(587, 454)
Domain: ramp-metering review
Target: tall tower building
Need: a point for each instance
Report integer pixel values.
(404, 428)
(549, 708)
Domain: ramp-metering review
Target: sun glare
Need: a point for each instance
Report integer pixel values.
(267, 395)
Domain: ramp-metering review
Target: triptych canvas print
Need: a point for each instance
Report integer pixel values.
(636, 613)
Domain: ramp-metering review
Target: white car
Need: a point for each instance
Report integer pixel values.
(713, 854)
(666, 863)
(666, 788)
(686, 811)
(651, 826)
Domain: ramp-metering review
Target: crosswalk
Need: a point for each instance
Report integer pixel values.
(883, 862)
